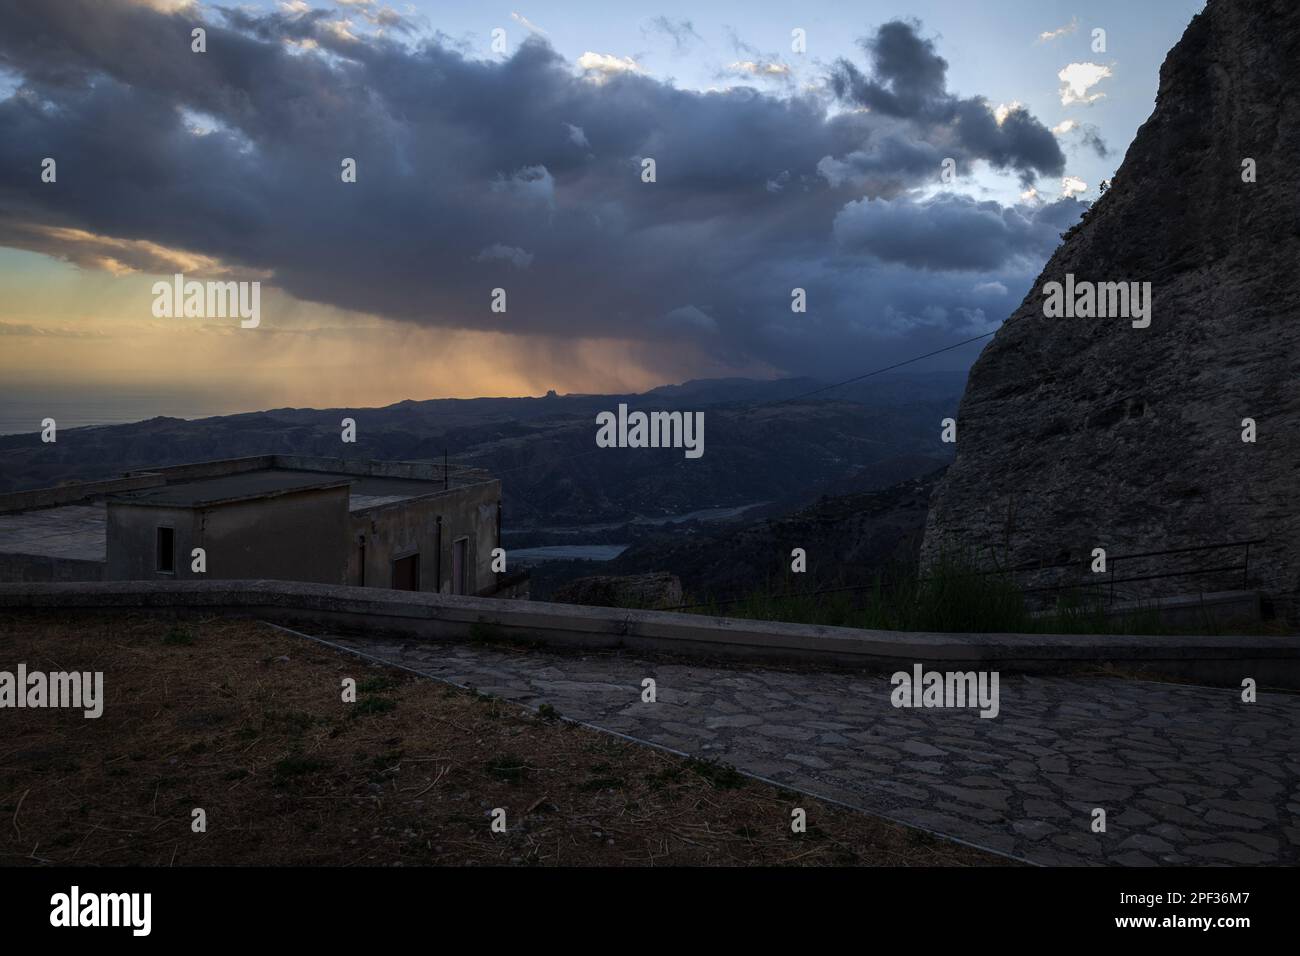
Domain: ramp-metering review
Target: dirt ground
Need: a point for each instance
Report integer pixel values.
(248, 724)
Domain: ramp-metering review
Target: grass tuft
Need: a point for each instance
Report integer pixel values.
(953, 596)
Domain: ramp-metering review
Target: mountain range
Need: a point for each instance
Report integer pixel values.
(767, 443)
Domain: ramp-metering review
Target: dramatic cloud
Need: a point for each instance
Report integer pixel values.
(909, 82)
(520, 173)
(951, 232)
(109, 253)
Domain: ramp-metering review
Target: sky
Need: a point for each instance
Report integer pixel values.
(795, 146)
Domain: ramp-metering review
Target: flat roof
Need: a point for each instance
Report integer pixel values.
(365, 491)
(68, 531)
(375, 491)
(242, 486)
(78, 530)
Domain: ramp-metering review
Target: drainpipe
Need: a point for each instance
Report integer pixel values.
(437, 558)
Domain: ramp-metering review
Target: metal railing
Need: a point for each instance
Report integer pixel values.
(1111, 575)
(1087, 582)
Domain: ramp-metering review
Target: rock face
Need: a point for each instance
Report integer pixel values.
(1076, 433)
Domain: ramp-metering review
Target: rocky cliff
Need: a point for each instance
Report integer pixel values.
(1077, 433)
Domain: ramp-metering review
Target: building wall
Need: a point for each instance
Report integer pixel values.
(75, 492)
(291, 537)
(131, 541)
(411, 526)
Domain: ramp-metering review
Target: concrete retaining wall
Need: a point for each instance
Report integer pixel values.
(77, 491)
(211, 469)
(417, 470)
(1225, 661)
(44, 567)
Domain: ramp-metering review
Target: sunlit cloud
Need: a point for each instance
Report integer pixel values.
(113, 255)
(1077, 79)
(1071, 186)
(1048, 35)
(757, 68)
(605, 65)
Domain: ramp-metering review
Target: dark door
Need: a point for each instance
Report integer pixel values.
(406, 573)
(460, 566)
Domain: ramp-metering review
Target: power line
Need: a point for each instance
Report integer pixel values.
(1171, 267)
(887, 368)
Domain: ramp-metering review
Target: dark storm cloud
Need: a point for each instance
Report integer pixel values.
(910, 78)
(516, 172)
(953, 232)
(909, 81)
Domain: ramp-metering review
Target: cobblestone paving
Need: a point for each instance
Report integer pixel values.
(1186, 774)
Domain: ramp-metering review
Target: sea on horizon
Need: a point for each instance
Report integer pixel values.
(22, 411)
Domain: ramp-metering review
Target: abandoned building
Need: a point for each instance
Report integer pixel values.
(410, 525)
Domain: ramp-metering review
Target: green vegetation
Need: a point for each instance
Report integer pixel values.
(297, 766)
(372, 705)
(548, 712)
(508, 767)
(953, 596)
(178, 636)
(482, 633)
(722, 776)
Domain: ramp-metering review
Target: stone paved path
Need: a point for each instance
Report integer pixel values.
(1186, 774)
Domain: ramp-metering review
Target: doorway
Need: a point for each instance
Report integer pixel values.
(406, 573)
(460, 566)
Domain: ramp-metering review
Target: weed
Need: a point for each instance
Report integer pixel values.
(507, 766)
(372, 705)
(178, 636)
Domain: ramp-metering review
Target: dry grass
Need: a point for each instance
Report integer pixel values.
(247, 723)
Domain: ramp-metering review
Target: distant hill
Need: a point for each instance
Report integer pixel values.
(759, 447)
(848, 539)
